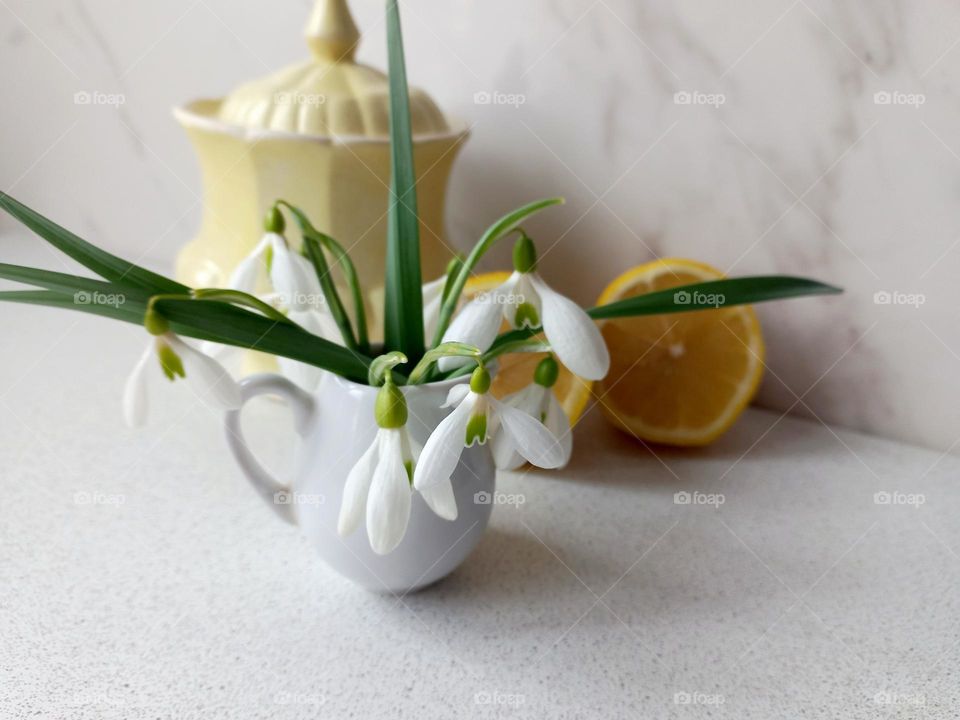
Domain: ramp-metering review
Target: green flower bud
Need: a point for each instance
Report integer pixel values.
(480, 381)
(526, 316)
(170, 362)
(524, 254)
(476, 429)
(154, 322)
(273, 222)
(547, 372)
(391, 407)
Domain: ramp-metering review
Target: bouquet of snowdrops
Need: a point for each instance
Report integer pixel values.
(427, 335)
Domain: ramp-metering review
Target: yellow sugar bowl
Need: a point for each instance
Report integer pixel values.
(317, 135)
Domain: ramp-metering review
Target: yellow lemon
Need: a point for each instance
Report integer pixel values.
(680, 379)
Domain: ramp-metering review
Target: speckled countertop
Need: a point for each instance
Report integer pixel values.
(141, 578)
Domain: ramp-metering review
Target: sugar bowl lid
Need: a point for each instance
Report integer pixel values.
(330, 94)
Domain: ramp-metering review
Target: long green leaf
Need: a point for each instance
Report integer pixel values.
(127, 312)
(730, 292)
(500, 229)
(85, 289)
(102, 263)
(715, 293)
(218, 322)
(246, 329)
(403, 299)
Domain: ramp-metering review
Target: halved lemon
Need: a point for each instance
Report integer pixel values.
(680, 379)
(516, 371)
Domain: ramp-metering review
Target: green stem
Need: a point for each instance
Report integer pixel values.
(517, 346)
(453, 269)
(236, 297)
(347, 266)
(381, 369)
(421, 372)
(315, 254)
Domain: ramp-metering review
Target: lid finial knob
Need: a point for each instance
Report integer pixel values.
(331, 33)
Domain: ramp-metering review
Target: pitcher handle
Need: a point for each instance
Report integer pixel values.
(274, 493)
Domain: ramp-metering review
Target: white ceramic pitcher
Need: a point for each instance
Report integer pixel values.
(336, 426)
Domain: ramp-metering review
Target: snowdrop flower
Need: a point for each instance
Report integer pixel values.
(290, 275)
(296, 291)
(379, 485)
(209, 379)
(538, 401)
(477, 417)
(525, 300)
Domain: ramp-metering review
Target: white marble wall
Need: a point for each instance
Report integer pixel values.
(799, 170)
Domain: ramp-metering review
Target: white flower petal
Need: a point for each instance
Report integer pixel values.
(441, 500)
(476, 324)
(355, 491)
(309, 279)
(432, 299)
(388, 504)
(441, 453)
(292, 277)
(135, 390)
(456, 395)
(558, 423)
(411, 449)
(245, 276)
(209, 378)
(505, 456)
(575, 338)
(529, 437)
(529, 400)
